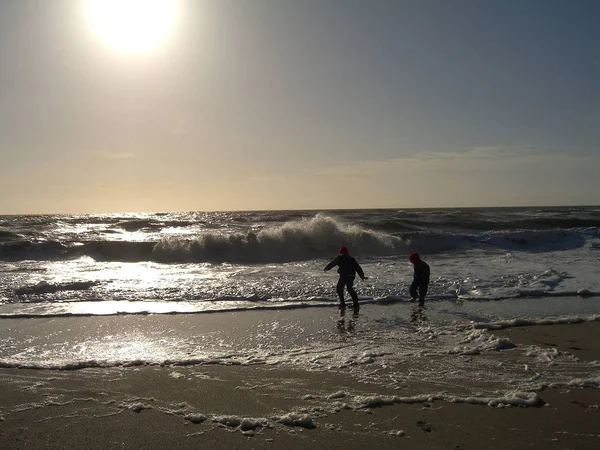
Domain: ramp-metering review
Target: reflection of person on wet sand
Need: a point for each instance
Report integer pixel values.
(418, 314)
(341, 324)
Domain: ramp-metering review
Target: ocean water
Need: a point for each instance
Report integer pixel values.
(122, 290)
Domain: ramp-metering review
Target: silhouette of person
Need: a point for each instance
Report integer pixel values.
(420, 284)
(347, 268)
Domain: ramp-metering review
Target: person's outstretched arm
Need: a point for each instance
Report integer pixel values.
(331, 264)
(360, 272)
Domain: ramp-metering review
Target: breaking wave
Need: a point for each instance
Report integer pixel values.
(299, 239)
(317, 237)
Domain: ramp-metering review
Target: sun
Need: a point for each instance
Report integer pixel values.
(131, 25)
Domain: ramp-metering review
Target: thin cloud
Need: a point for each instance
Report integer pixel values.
(479, 152)
(484, 158)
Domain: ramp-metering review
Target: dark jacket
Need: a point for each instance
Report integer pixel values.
(421, 272)
(347, 266)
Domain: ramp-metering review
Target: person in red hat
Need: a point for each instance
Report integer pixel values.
(347, 268)
(418, 287)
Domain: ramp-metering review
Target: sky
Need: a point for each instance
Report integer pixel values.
(298, 104)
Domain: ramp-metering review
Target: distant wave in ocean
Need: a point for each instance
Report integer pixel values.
(299, 239)
(480, 220)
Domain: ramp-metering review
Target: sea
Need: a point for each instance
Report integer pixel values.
(255, 282)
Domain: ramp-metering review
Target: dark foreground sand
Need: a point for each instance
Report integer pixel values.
(182, 407)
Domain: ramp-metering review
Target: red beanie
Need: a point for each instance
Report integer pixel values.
(343, 250)
(414, 257)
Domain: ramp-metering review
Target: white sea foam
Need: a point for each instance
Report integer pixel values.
(242, 423)
(480, 340)
(295, 420)
(512, 398)
(136, 407)
(586, 383)
(195, 418)
(520, 322)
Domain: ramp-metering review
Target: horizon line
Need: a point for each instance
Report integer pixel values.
(303, 209)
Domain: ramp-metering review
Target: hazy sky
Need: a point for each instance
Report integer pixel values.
(301, 104)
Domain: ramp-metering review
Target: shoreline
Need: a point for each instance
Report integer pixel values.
(262, 406)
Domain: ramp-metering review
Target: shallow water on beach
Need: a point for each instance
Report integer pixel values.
(108, 292)
(383, 346)
(191, 262)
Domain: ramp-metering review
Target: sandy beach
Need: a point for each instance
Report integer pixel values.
(262, 406)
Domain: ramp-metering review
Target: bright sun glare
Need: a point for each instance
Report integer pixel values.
(131, 25)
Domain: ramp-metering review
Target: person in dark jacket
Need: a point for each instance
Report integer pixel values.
(420, 283)
(347, 268)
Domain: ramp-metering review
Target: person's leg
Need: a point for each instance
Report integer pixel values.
(422, 293)
(352, 292)
(413, 290)
(340, 291)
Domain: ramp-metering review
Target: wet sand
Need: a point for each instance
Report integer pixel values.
(577, 339)
(205, 407)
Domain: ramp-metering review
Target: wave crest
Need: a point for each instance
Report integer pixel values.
(316, 237)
